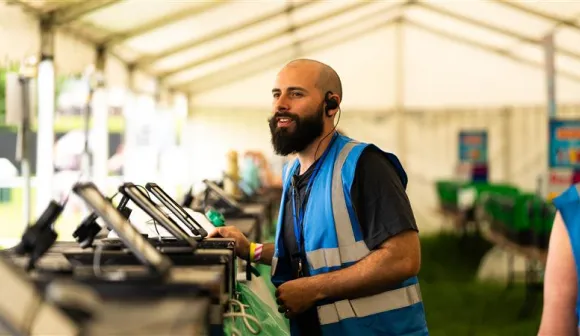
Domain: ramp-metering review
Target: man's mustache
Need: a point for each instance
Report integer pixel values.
(279, 114)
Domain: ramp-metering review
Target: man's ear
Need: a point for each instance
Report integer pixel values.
(332, 104)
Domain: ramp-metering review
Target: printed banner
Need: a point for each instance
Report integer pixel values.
(473, 155)
(473, 146)
(564, 155)
(564, 144)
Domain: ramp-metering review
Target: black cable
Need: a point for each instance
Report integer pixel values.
(113, 197)
(70, 191)
(329, 133)
(146, 191)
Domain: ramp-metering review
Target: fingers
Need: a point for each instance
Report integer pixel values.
(224, 232)
(216, 233)
(282, 308)
(286, 311)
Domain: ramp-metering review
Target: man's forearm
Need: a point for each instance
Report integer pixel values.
(377, 272)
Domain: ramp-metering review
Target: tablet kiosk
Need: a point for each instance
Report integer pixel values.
(144, 202)
(195, 227)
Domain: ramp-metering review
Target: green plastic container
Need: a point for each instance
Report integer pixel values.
(215, 217)
(526, 208)
(500, 202)
(447, 192)
(543, 214)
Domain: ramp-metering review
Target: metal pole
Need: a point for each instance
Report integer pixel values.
(86, 161)
(46, 108)
(400, 90)
(550, 66)
(24, 146)
(100, 116)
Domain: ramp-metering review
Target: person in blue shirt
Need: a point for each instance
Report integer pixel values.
(560, 315)
(347, 253)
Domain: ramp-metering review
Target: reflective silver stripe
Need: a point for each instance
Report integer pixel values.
(274, 264)
(386, 301)
(323, 257)
(354, 252)
(350, 249)
(330, 257)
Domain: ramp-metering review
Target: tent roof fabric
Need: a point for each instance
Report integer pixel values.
(185, 43)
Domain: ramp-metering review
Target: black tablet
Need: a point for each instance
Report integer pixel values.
(142, 249)
(135, 194)
(176, 209)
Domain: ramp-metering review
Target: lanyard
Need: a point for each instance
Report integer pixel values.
(299, 218)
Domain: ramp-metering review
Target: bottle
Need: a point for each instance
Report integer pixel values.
(215, 217)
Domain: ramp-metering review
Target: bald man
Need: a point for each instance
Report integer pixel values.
(347, 253)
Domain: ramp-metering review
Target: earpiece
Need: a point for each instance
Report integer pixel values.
(330, 102)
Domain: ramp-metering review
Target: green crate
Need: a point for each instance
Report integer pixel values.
(543, 214)
(527, 205)
(447, 193)
(500, 202)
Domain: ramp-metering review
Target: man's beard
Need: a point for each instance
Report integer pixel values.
(306, 130)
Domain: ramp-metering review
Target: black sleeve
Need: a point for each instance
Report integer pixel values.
(379, 198)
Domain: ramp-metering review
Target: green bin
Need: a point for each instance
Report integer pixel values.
(447, 193)
(526, 207)
(499, 204)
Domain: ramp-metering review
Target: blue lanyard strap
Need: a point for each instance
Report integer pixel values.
(299, 218)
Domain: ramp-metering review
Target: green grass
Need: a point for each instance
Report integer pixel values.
(457, 304)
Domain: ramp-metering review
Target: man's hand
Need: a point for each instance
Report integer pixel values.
(232, 232)
(296, 296)
(243, 244)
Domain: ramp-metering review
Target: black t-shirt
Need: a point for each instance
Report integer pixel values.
(381, 206)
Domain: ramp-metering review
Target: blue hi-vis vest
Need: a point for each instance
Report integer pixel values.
(568, 204)
(333, 240)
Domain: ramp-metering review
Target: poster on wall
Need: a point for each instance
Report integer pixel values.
(563, 155)
(473, 155)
